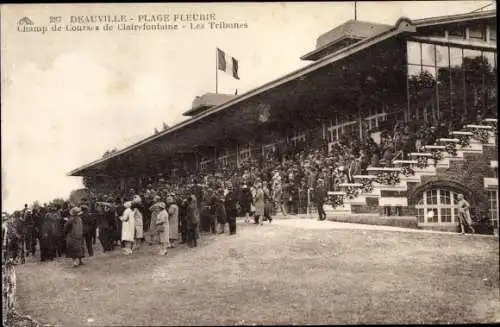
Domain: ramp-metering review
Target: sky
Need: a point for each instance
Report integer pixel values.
(67, 97)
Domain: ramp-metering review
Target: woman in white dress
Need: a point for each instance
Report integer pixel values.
(128, 227)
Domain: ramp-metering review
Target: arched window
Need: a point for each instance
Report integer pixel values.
(437, 206)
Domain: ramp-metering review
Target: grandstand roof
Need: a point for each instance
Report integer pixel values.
(343, 35)
(403, 25)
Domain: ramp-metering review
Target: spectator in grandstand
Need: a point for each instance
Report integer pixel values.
(73, 233)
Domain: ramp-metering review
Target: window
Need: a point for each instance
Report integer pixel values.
(457, 32)
(336, 131)
(477, 32)
(414, 53)
(269, 149)
(493, 34)
(489, 58)
(298, 137)
(470, 54)
(204, 163)
(437, 206)
(442, 56)
(493, 207)
(223, 160)
(455, 57)
(375, 120)
(245, 154)
(414, 70)
(428, 54)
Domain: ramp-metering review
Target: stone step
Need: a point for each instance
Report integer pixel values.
(404, 162)
(393, 201)
(417, 178)
(356, 177)
(401, 186)
(426, 171)
(487, 127)
(472, 148)
(359, 200)
(448, 140)
(378, 169)
(344, 209)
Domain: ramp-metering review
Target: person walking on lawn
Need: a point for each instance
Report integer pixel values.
(73, 232)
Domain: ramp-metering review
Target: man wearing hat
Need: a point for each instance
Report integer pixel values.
(153, 233)
(231, 206)
(89, 227)
(73, 232)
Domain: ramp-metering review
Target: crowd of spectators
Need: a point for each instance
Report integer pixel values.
(289, 177)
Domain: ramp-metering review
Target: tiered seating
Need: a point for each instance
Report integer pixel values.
(469, 140)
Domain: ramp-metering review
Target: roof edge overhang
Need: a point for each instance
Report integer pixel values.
(194, 111)
(455, 18)
(312, 54)
(403, 25)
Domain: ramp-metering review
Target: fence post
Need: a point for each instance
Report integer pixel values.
(308, 201)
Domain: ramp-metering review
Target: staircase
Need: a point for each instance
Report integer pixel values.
(384, 187)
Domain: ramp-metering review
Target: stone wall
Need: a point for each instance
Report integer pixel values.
(464, 176)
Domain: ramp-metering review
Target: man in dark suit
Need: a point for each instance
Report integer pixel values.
(319, 198)
(89, 227)
(230, 203)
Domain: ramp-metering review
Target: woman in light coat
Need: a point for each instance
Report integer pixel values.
(259, 203)
(139, 229)
(162, 226)
(128, 227)
(173, 220)
(153, 239)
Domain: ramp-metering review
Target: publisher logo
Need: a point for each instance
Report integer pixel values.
(25, 21)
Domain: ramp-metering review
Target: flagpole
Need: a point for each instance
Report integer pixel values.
(355, 11)
(216, 70)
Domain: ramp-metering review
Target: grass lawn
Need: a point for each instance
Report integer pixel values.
(275, 274)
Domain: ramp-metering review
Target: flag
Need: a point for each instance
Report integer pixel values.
(227, 63)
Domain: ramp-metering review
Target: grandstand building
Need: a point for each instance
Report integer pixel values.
(361, 75)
